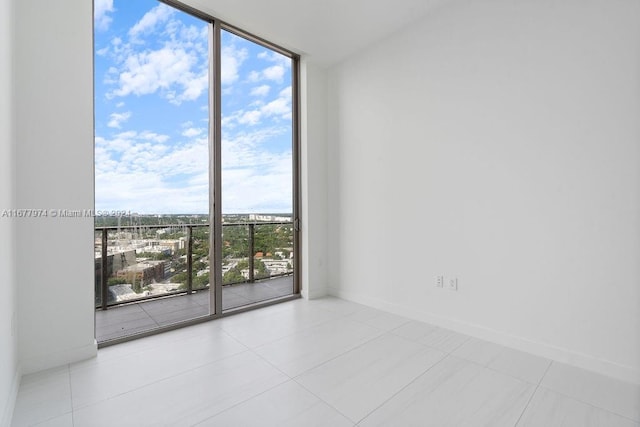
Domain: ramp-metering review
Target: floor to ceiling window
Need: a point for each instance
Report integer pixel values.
(195, 168)
(257, 171)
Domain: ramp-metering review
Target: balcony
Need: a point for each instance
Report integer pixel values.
(155, 276)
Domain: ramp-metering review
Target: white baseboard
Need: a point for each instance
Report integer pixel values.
(316, 293)
(7, 413)
(53, 360)
(559, 354)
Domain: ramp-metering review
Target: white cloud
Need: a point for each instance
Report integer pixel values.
(178, 70)
(275, 73)
(279, 108)
(149, 172)
(255, 180)
(254, 76)
(276, 58)
(134, 171)
(116, 119)
(152, 136)
(286, 92)
(148, 22)
(144, 176)
(103, 51)
(260, 90)
(101, 10)
(147, 72)
(193, 88)
(128, 134)
(231, 60)
(250, 117)
(191, 132)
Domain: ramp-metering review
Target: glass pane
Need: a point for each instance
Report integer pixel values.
(257, 172)
(98, 267)
(235, 250)
(151, 158)
(200, 270)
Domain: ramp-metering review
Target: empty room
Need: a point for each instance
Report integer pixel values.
(320, 213)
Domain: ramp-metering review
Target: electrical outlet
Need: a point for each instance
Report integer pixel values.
(452, 284)
(439, 281)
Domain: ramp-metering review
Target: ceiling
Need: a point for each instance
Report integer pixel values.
(327, 31)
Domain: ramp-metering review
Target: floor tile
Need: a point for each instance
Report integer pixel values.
(455, 392)
(304, 350)
(91, 383)
(42, 396)
(168, 305)
(124, 328)
(202, 297)
(284, 287)
(231, 299)
(288, 405)
(120, 314)
(186, 399)
(521, 365)
(266, 325)
(337, 305)
(414, 330)
(172, 317)
(550, 409)
(378, 319)
(478, 351)
(325, 362)
(257, 292)
(444, 340)
(602, 392)
(65, 420)
(361, 380)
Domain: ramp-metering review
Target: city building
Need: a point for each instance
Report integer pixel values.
(494, 144)
(143, 273)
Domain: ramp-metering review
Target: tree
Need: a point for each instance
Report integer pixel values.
(179, 277)
(116, 281)
(233, 276)
(200, 282)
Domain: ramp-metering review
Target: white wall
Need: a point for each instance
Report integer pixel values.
(313, 88)
(9, 369)
(498, 141)
(54, 170)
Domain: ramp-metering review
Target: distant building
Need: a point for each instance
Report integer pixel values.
(144, 272)
(269, 218)
(277, 266)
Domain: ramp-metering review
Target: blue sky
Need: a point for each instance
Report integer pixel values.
(151, 115)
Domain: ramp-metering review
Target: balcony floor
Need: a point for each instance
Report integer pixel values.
(134, 318)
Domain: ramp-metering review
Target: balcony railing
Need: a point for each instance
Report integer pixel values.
(135, 263)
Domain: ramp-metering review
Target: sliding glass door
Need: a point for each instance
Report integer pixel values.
(195, 167)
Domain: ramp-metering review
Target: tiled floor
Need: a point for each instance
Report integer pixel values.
(326, 362)
(130, 319)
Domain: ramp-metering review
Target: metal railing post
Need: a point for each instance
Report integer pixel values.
(104, 271)
(251, 252)
(189, 259)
